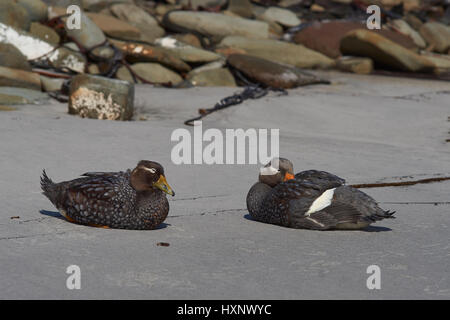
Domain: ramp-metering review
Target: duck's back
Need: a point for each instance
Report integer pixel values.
(99, 199)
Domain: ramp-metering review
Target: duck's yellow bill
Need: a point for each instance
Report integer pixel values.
(163, 185)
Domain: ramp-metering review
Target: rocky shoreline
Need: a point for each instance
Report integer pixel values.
(180, 44)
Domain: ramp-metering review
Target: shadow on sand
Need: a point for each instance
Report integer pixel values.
(57, 215)
(367, 229)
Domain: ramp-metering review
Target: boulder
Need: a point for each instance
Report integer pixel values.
(217, 25)
(326, 37)
(270, 73)
(220, 77)
(278, 51)
(437, 35)
(152, 72)
(284, 17)
(101, 98)
(383, 52)
(11, 57)
(19, 78)
(135, 16)
(14, 15)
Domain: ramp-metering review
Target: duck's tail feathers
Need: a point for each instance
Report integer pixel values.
(382, 214)
(47, 186)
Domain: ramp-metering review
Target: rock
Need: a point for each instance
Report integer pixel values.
(63, 3)
(11, 57)
(270, 73)
(136, 52)
(152, 72)
(413, 21)
(135, 16)
(89, 35)
(326, 37)
(355, 64)
(67, 59)
(317, 8)
(209, 66)
(101, 98)
(34, 49)
(114, 27)
(19, 78)
(44, 33)
(241, 8)
(403, 27)
(30, 46)
(284, 17)
(441, 61)
(383, 51)
(37, 9)
(93, 69)
(14, 15)
(217, 25)
(200, 4)
(185, 52)
(100, 5)
(188, 38)
(28, 96)
(279, 51)
(11, 100)
(51, 84)
(220, 77)
(437, 35)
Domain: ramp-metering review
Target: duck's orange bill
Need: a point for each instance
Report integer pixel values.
(288, 176)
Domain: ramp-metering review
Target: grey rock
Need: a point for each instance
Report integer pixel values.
(282, 16)
(14, 15)
(153, 72)
(186, 52)
(437, 35)
(11, 57)
(278, 51)
(28, 96)
(45, 33)
(218, 25)
(243, 8)
(51, 84)
(63, 3)
(37, 9)
(89, 35)
(65, 58)
(217, 77)
(101, 98)
(148, 25)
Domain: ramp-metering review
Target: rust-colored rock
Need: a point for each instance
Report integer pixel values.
(326, 37)
(270, 73)
(384, 52)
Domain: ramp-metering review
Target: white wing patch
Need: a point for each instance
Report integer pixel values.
(321, 202)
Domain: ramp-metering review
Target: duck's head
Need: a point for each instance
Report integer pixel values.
(149, 175)
(276, 171)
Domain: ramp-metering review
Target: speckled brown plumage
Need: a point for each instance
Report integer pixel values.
(124, 200)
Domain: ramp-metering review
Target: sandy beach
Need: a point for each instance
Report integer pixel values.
(363, 128)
